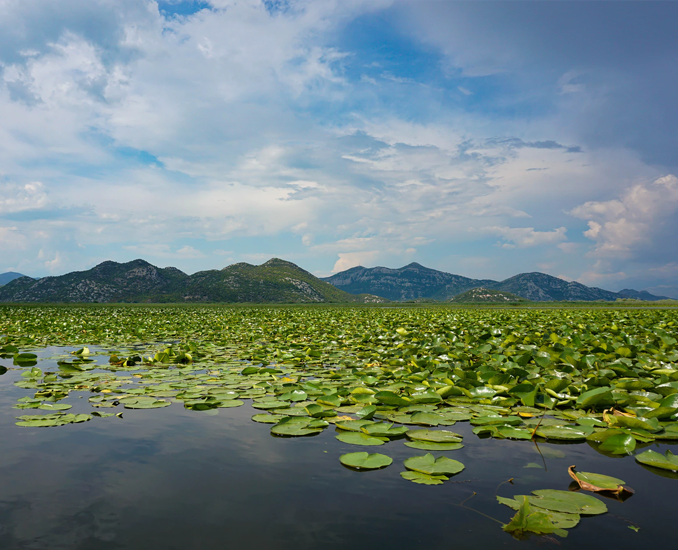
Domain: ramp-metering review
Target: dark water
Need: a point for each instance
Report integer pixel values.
(177, 479)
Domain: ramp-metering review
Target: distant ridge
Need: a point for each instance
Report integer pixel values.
(139, 281)
(411, 282)
(416, 282)
(9, 276)
(280, 281)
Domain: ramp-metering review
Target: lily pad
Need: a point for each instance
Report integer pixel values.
(430, 465)
(268, 418)
(618, 444)
(365, 461)
(528, 520)
(438, 436)
(596, 483)
(424, 479)
(433, 446)
(566, 433)
(383, 429)
(568, 502)
(295, 426)
(667, 461)
(357, 438)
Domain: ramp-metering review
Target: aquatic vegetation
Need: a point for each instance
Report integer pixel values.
(606, 378)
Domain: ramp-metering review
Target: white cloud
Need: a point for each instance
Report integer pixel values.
(347, 260)
(16, 198)
(628, 226)
(165, 251)
(524, 237)
(12, 239)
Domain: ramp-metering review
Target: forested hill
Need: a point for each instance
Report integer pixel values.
(139, 281)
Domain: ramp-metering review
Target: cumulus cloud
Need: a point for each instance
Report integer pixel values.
(17, 198)
(524, 237)
(635, 224)
(126, 131)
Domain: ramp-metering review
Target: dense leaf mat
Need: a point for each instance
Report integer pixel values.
(374, 375)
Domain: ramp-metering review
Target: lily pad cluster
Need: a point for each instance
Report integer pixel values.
(374, 375)
(549, 511)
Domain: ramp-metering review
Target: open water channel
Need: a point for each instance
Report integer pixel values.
(173, 478)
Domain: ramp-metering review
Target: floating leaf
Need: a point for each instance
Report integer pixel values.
(618, 444)
(438, 436)
(528, 521)
(424, 479)
(268, 418)
(667, 461)
(598, 482)
(383, 429)
(355, 438)
(430, 465)
(294, 426)
(365, 461)
(567, 433)
(433, 446)
(567, 501)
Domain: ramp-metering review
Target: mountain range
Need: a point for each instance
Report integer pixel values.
(139, 281)
(416, 282)
(279, 281)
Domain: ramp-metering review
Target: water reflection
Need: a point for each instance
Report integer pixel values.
(176, 479)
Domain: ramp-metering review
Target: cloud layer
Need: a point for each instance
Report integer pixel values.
(336, 133)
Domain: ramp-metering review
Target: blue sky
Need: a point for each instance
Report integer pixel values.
(480, 138)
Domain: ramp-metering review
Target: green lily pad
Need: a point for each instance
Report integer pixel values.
(433, 446)
(667, 461)
(497, 420)
(598, 397)
(423, 479)
(365, 461)
(619, 444)
(146, 403)
(230, 403)
(55, 406)
(438, 436)
(567, 433)
(366, 413)
(270, 405)
(383, 429)
(268, 418)
(528, 521)
(426, 419)
(568, 502)
(509, 432)
(356, 438)
(430, 465)
(295, 426)
(352, 425)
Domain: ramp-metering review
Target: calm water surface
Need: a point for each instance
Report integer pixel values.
(177, 479)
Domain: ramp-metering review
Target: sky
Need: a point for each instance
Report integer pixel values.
(480, 138)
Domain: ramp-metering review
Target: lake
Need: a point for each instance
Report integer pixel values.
(174, 478)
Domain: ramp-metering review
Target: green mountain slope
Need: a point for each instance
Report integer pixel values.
(486, 295)
(274, 281)
(106, 282)
(139, 281)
